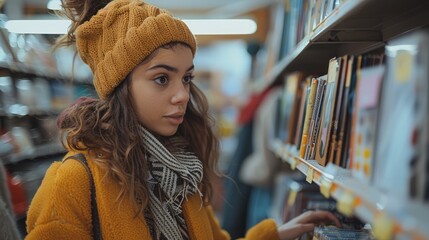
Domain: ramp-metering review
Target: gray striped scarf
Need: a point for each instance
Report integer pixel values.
(174, 174)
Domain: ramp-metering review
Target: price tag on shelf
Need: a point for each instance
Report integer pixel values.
(310, 175)
(383, 227)
(292, 197)
(325, 187)
(292, 162)
(280, 151)
(285, 154)
(345, 204)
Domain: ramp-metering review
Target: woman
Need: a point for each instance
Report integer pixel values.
(148, 139)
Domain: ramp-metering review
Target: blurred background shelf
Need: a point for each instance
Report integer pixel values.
(44, 150)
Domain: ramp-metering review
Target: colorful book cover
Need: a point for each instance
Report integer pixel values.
(403, 116)
(315, 118)
(367, 107)
(322, 146)
(308, 114)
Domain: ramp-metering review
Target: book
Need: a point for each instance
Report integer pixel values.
(342, 63)
(322, 145)
(308, 115)
(315, 118)
(7, 54)
(285, 46)
(295, 9)
(332, 233)
(403, 115)
(302, 20)
(302, 111)
(309, 17)
(298, 78)
(278, 123)
(307, 118)
(7, 95)
(330, 7)
(342, 142)
(287, 103)
(350, 109)
(367, 107)
(316, 12)
(359, 62)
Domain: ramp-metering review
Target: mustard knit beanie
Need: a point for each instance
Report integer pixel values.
(121, 35)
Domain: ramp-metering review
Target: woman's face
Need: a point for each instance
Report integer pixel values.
(160, 89)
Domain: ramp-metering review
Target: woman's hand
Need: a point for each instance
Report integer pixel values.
(306, 223)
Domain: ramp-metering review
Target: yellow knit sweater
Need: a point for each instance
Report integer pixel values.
(61, 210)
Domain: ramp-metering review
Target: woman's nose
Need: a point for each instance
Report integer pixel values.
(180, 94)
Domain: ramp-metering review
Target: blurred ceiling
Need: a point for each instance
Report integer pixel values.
(259, 10)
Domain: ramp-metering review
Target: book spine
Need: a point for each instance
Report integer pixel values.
(308, 114)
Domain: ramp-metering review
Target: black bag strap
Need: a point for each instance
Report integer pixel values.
(96, 231)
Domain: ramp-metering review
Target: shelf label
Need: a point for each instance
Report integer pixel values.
(310, 173)
(292, 162)
(325, 187)
(292, 197)
(383, 227)
(284, 153)
(345, 204)
(280, 151)
(403, 66)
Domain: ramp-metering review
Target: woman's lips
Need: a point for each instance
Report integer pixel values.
(175, 119)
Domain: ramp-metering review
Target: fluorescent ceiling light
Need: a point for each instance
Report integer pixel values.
(54, 5)
(198, 27)
(221, 26)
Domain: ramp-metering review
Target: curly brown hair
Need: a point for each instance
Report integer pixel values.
(109, 131)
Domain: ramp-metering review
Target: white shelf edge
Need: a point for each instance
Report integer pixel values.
(372, 202)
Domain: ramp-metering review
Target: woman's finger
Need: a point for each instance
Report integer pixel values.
(319, 216)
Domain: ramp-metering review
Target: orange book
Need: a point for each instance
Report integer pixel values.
(305, 88)
(308, 114)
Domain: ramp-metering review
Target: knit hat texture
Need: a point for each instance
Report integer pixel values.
(121, 35)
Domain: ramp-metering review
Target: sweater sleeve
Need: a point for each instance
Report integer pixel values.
(218, 232)
(265, 230)
(60, 208)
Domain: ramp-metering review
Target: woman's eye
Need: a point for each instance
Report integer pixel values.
(161, 80)
(188, 79)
